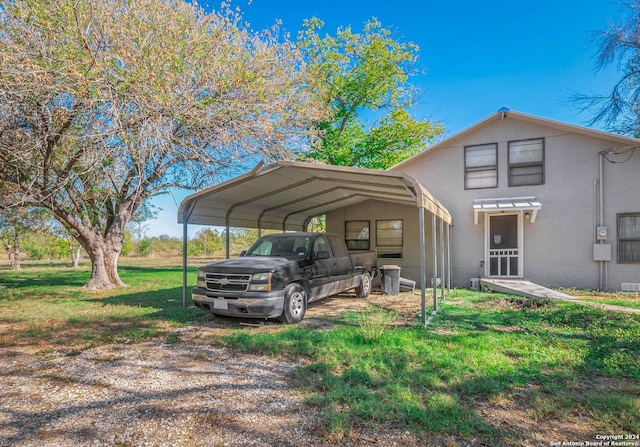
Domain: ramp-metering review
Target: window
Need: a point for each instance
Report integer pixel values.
(389, 238)
(356, 234)
(629, 238)
(526, 162)
(322, 244)
(481, 166)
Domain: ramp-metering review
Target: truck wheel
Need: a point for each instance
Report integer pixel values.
(364, 289)
(295, 304)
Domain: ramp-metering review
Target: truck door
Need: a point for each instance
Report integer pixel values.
(344, 272)
(322, 271)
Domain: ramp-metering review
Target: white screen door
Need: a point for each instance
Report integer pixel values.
(505, 245)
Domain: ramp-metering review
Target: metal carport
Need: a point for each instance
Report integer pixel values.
(286, 195)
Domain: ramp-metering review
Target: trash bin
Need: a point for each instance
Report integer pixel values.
(390, 279)
(407, 285)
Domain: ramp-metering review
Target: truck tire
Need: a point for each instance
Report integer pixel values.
(364, 289)
(295, 304)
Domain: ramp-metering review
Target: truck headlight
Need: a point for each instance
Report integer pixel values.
(200, 282)
(261, 276)
(260, 282)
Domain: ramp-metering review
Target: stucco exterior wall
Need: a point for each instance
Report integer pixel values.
(373, 210)
(558, 247)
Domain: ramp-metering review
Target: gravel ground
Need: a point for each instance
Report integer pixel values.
(186, 393)
(150, 394)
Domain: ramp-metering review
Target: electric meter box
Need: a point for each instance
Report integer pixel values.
(601, 233)
(602, 252)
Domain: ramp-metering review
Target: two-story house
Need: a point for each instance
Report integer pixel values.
(530, 198)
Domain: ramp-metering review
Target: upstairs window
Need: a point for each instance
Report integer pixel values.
(356, 234)
(481, 166)
(629, 238)
(526, 162)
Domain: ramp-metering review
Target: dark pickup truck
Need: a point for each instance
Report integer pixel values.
(280, 274)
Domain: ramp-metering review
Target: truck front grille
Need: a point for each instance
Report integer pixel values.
(227, 282)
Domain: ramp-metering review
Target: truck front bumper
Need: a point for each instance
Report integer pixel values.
(250, 304)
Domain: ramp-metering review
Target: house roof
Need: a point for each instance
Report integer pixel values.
(504, 113)
(286, 195)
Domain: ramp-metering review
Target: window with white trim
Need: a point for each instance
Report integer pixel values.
(481, 166)
(629, 238)
(526, 162)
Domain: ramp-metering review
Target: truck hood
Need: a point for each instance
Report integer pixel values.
(251, 264)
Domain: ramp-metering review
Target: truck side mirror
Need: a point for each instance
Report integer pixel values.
(323, 255)
(243, 252)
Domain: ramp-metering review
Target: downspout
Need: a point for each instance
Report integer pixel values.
(601, 200)
(596, 201)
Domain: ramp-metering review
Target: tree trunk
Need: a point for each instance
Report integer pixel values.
(7, 247)
(104, 253)
(103, 245)
(75, 251)
(16, 252)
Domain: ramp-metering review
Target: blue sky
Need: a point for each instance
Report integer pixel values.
(476, 56)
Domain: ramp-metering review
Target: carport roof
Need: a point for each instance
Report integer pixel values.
(285, 195)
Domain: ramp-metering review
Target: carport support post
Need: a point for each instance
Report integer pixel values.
(448, 258)
(184, 265)
(423, 272)
(434, 241)
(442, 266)
(227, 240)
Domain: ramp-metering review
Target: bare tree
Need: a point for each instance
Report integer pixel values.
(619, 44)
(106, 103)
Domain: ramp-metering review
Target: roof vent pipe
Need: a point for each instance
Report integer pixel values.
(504, 111)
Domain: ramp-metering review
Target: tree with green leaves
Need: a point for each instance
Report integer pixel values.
(106, 103)
(15, 224)
(619, 44)
(207, 241)
(365, 73)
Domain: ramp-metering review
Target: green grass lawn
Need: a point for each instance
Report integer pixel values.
(624, 299)
(45, 304)
(482, 355)
(550, 360)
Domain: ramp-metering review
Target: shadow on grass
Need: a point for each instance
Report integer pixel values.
(164, 304)
(55, 277)
(547, 362)
(82, 320)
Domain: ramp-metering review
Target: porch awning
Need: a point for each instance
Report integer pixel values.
(506, 204)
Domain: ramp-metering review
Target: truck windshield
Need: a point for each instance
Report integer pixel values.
(281, 246)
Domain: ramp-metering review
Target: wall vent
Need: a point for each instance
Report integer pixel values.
(631, 286)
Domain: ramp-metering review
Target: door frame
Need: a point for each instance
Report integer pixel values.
(487, 242)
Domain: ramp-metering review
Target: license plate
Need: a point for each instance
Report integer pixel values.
(220, 304)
